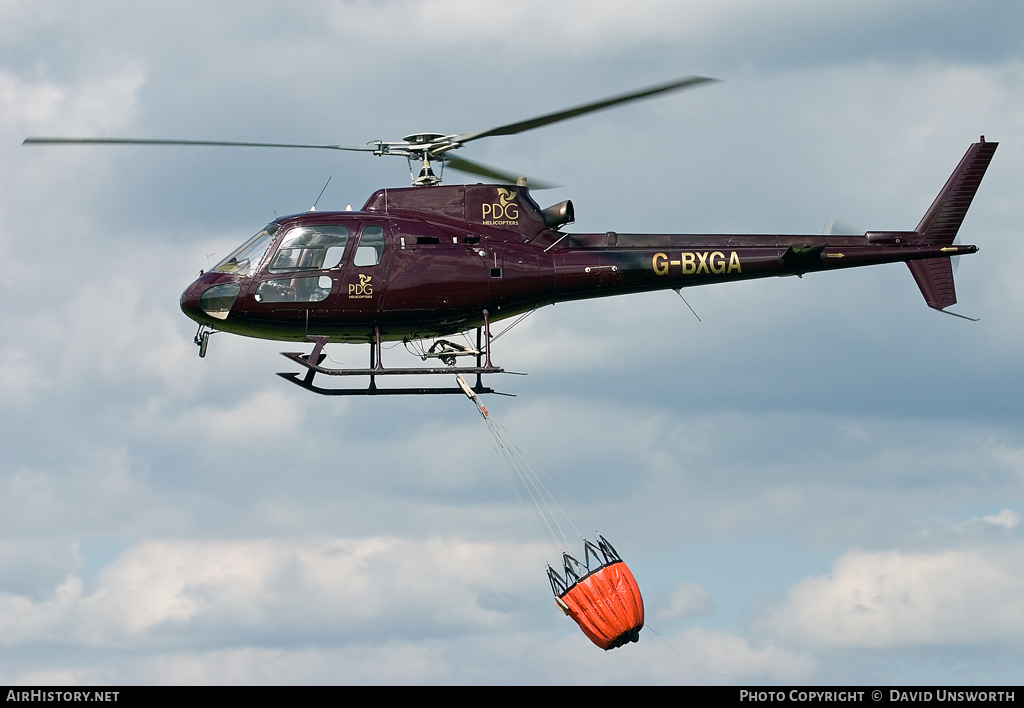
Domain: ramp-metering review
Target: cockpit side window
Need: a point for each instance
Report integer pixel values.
(247, 258)
(312, 247)
(370, 248)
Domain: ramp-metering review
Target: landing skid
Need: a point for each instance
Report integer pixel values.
(373, 390)
(314, 360)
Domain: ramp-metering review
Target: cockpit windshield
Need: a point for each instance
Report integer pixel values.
(246, 259)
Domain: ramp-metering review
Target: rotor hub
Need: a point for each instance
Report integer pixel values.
(423, 138)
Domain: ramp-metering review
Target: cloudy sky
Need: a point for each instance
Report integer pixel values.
(818, 482)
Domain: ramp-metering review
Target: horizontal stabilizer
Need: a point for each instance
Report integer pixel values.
(802, 254)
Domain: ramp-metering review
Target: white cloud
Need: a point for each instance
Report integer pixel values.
(713, 654)
(213, 592)
(377, 609)
(695, 656)
(687, 600)
(91, 108)
(874, 600)
(1003, 523)
(1006, 518)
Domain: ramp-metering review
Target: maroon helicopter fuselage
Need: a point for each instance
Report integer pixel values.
(424, 262)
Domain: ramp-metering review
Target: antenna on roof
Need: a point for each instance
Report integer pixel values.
(313, 208)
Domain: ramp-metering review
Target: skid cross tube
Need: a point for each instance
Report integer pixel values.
(313, 361)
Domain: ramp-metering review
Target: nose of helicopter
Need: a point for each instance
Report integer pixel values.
(190, 302)
(205, 301)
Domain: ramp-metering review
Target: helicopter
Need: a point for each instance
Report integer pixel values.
(425, 262)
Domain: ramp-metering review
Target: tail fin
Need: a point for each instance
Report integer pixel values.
(935, 278)
(947, 212)
(941, 222)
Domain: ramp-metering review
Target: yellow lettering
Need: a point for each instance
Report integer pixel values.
(505, 213)
(688, 263)
(734, 263)
(362, 289)
(717, 262)
(660, 263)
(703, 265)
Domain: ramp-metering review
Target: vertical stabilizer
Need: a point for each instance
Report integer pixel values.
(942, 221)
(935, 278)
(947, 212)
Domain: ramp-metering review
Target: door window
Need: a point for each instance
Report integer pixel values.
(370, 248)
(311, 289)
(314, 247)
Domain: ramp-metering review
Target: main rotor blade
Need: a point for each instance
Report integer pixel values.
(475, 168)
(513, 128)
(206, 143)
